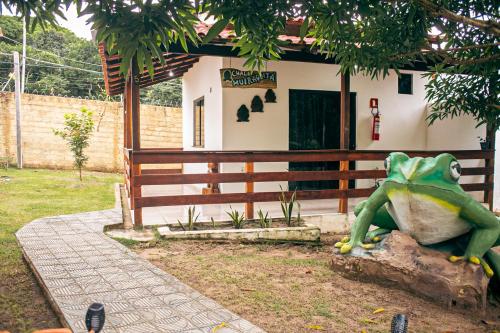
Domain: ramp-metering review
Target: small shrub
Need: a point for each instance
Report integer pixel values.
(191, 219)
(237, 219)
(77, 132)
(287, 206)
(264, 220)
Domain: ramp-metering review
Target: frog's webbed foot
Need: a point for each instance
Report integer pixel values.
(346, 245)
(342, 242)
(374, 235)
(476, 261)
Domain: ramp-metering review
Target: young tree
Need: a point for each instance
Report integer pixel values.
(77, 132)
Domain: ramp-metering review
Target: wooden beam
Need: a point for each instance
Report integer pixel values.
(174, 177)
(136, 138)
(152, 156)
(345, 111)
(223, 198)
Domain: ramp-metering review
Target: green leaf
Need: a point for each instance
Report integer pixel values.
(304, 27)
(215, 30)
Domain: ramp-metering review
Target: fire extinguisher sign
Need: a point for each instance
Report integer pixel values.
(376, 119)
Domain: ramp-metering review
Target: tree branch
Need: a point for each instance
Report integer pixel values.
(489, 26)
(445, 51)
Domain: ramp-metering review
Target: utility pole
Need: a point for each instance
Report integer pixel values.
(18, 110)
(23, 68)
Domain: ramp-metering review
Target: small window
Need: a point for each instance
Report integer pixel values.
(405, 84)
(199, 122)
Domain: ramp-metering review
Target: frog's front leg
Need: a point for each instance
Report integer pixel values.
(364, 220)
(382, 219)
(485, 233)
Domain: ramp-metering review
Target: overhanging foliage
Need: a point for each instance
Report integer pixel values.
(368, 36)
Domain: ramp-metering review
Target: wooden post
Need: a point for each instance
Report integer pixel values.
(19, 139)
(127, 136)
(490, 163)
(249, 188)
(345, 110)
(136, 137)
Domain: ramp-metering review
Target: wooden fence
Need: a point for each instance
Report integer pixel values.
(135, 178)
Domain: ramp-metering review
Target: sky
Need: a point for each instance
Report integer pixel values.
(76, 24)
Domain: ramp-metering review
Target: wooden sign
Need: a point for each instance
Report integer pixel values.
(235, 78)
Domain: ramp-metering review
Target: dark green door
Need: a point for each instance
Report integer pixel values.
(315, 124)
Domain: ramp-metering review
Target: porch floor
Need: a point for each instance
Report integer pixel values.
(170, 214)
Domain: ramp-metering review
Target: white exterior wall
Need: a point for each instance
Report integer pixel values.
(203, 81)
(269, 130)
(403, 125)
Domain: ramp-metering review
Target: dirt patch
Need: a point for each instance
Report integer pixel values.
(288, 288)
(22, 303)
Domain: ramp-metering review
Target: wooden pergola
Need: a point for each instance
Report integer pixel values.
(176, 63)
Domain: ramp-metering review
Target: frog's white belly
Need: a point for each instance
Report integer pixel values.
(427, 219)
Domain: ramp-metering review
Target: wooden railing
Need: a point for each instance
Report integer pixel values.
(136, 179)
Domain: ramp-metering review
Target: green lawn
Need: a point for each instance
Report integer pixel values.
(26, 195)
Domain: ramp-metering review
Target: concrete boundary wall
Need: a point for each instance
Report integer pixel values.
(161, 127)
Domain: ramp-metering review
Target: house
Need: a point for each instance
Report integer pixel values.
(306, 115)
(316, 138)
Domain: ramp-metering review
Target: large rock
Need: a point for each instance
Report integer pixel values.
(399, 261)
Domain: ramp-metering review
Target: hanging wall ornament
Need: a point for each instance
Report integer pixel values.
(243, 113)
(257, 105)
(270, 96)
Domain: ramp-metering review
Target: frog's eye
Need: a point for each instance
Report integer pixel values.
(455, 170)
(387, 165)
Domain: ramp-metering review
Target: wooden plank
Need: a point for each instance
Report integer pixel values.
(223, 198)
(114, 65)
(249, 188)
(226, 198)
(239, 177)
(477, 187)
(154, 157)
(167, 176)
(155, 172)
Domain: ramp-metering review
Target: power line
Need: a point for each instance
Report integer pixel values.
(56, 64)
(60, 56)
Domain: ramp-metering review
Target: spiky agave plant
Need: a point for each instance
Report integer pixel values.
(287, 206)
(237, 218)
(264, 220)
(191, 219)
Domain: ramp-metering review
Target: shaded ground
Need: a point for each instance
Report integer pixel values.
(286, 288)
(26, 195)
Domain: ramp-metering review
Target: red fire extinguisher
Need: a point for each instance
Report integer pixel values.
(376, 119)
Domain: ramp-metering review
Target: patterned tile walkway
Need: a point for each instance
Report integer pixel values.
(78, 265)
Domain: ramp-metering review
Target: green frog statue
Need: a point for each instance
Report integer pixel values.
(422, 198)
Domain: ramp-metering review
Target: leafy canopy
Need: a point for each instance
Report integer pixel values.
(368, 36)
(61, 47)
